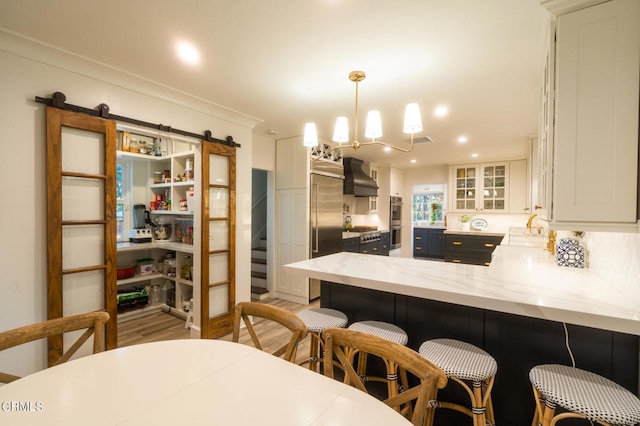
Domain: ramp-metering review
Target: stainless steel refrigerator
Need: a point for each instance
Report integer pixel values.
(326, 213)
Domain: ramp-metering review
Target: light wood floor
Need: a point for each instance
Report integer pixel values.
(164, 326)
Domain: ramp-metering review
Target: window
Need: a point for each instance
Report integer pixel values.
(122, 205)
(429, 203)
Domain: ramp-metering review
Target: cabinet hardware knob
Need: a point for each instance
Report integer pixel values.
(418, 248)
(457, 243)
(488, 245)
(457, 261)
(418, 238)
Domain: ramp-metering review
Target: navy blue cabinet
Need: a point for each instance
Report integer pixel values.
(380, 247)
(428, 243)
(470, 248)
(351, 244)
(383, 244)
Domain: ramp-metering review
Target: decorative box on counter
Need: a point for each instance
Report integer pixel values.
(570, 253)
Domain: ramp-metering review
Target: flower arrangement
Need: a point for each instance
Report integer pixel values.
(465, 218)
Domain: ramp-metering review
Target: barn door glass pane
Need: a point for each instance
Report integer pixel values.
(82, 151)
(218, 170)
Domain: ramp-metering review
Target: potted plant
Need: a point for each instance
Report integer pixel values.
(465, 220)
(434, 212)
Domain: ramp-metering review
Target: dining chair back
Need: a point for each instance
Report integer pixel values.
(412, 399)
(93, 323)
(246, 311)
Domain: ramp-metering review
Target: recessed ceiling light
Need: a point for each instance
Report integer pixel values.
(462, 139)
(474, 155)
(441, 111)
(387, 149)
(413, 161)
(188, 53)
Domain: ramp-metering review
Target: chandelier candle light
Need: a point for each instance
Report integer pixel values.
(373, 129)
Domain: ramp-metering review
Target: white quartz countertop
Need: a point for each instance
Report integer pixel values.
(520, 280)
(481, 233)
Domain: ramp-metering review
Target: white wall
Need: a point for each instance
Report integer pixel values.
(263, 154)
(28, 70)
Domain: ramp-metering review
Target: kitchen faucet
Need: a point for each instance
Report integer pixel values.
(531, 220)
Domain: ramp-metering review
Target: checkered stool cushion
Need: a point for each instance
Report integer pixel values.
(459, 359)
(319, 319)
(586, 393)
(382, 329)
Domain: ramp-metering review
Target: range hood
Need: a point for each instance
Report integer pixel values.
(356, 181)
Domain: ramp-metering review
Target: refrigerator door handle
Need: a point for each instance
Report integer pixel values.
(316, 247)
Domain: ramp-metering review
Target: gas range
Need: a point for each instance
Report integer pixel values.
(369, 236)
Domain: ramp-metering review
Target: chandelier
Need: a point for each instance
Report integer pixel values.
(373, 129)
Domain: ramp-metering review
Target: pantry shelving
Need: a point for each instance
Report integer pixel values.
(160, 174)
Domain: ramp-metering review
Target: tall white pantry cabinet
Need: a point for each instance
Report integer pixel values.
(591, 133)
(292, 217)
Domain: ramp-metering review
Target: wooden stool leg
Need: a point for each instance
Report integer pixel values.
(313, 352)
(478, 409)
(488, 402)
(549, 412)
(362, 365)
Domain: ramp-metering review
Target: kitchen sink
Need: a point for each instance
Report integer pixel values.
(528, 237)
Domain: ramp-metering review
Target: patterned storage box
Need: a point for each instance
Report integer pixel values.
(569, 252)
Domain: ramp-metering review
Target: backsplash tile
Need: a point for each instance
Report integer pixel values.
(614, 253)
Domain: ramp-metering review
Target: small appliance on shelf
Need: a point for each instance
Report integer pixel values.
(140, 233)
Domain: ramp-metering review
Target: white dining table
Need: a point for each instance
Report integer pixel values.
(187, 382)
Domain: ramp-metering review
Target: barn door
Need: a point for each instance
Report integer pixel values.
(218, 289)
(81, 226)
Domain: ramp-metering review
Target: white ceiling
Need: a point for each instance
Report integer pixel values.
(287, 62)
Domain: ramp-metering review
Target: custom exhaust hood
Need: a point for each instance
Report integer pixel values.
(356, 181)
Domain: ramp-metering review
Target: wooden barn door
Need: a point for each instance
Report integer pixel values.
(81, 224)
(218, 287)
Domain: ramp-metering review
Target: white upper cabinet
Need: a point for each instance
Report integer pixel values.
(595, 138)
(499, 187)
(292, 162)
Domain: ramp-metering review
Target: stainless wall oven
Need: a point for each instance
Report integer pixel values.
(395, 223)
(395, 213)
(395, 237)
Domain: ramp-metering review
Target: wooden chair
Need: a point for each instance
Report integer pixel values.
(412, 401)
(93, 322)
(287, 319)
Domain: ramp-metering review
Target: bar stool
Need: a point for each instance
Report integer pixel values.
(387, 331)
(583, 394)
(465, 364)
(318, 320)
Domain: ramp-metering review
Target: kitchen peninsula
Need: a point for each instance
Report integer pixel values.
(514, 309)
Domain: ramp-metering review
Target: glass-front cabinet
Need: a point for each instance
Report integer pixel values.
(480, 187)
(466, 186)
(494, 178)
